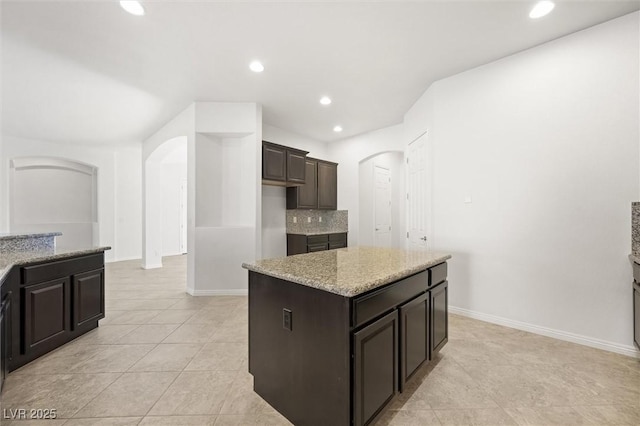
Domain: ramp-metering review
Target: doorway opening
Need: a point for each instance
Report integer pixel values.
(165, 203)
(381, 216)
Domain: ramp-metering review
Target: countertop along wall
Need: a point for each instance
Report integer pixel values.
(546, 142)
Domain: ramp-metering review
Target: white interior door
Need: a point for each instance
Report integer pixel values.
(418, 185)
(183, 216)
(382, 203)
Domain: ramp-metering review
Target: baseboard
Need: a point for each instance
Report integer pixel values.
(549, 332)
(152, 266)
(223, 292)
(123, 259)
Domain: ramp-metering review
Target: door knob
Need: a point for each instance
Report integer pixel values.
(424, 238)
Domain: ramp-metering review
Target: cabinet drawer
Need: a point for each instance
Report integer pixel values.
(337, 245)
(636, 272)
(317, 239)
(371, 305)
(61, 268)
(338, 238)
(437, 274)
(317, 247)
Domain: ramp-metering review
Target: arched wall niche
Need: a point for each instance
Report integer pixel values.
(54, 194)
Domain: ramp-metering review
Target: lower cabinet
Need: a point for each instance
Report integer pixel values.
(46, 316)
(375, 350)
(636, 314)
(414, 336)
(439, 335)
(57, 302)
(299, 244)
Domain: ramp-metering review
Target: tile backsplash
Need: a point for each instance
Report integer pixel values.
(317, 221)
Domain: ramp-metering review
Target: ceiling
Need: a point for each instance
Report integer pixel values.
(88, 72)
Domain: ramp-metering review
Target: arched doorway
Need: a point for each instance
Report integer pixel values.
(164, 207)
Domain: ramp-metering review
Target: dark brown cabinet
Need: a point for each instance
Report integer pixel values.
(414, 336)
(375, 367)
(283, 166)
(88, 303)
(327, 185)
(298, 244)
(320, 190)
(636, 304)
(439, 335)
(636, 314)
(58, 301)
(345, 358)
(5, 336)
(46, 316)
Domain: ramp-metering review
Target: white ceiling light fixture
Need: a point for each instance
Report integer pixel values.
(541, 9)
(133, 7)
(325, 100)
(337, 129)
(256, 66)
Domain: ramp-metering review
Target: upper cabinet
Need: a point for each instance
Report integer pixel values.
(320, 190)
(283, 166)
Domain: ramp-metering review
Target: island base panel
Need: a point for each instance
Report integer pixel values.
(304, 372)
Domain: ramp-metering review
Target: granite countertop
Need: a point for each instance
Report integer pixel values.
(22, 258)
(5, 236)
(317, 232)
(348, 271)
(634, 258)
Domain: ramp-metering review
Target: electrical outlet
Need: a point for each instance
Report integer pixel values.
(295, 219)
(320, 219)
(287, 319)
(309, 219)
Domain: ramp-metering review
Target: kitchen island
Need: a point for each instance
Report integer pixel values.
(335, 335)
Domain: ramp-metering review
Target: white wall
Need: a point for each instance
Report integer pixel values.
(274, 198)
(394, 162)
(172, 176)
(4, 181)
(104, 158)
(128, 207)
(546, 142)
(348, 153)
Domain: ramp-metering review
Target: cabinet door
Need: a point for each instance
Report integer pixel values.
(46, 316)
(414, 332)
(636, 314)
(439, 316)
(375, 350)
(327, 185)
(274, 162)
(337, 240)
(88, 298)
(308, 193)
(296, 166)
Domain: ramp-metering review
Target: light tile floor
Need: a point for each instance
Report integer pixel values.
(162, 357)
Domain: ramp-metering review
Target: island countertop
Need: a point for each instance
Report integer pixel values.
(348, 271)
(22, 258)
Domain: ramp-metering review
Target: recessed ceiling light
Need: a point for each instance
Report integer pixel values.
(337, 129)
(256, 66)
(133, 7)
(325, 100)
(541, 9)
